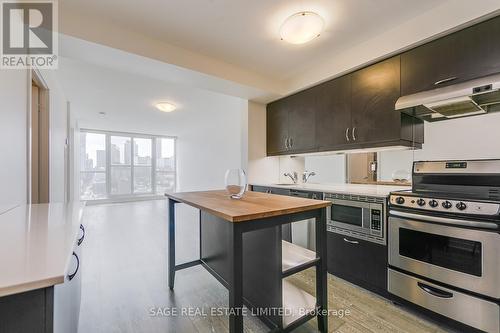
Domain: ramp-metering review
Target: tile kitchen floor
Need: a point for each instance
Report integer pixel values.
(124, 277)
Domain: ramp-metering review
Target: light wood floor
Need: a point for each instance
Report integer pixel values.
(124, 276)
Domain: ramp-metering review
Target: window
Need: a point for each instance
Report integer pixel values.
(143, 165)
(121, 165)
(126, 165)
(165, 165)
(93, 166)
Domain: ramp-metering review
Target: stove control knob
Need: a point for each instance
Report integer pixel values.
(433, 203)
(447, 204)
(461, 206)
(421, 202)
(400, 200)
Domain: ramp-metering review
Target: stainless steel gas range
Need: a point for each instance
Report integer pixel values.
(444, 241)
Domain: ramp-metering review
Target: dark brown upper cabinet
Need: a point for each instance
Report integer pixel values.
(302, 121)
(375, 90)
(464, 55)
(350, 112)
(277, 127)
(333, 113)
(291, 124)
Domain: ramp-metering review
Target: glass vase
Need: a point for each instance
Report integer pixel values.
(236, 183)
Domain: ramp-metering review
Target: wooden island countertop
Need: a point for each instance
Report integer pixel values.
(253, 205)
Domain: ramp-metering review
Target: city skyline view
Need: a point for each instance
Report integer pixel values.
(132, 170)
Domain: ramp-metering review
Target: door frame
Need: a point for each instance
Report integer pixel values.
(35, 77)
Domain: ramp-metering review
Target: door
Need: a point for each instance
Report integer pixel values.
(39, 151)
(302, 120)
(277, 126)
(375, 90)
(467, 54)
(34, 144)
(429, 66)
(333, 113)
(465, 258)
(477, 50)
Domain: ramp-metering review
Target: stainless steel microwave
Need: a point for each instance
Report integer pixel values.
(361, 217)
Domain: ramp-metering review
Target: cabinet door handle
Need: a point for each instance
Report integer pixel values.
(347, 134)
(437, 83)
(354, 133)
(71, 276)
(350, 241)
(286, 143)
(80, 241)
(290, 142)
(434, 291)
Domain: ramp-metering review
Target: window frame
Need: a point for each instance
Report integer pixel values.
(132, 136)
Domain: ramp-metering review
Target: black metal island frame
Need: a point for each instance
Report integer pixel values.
(241, 246)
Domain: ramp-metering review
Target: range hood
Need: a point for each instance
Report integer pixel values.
(465, 99)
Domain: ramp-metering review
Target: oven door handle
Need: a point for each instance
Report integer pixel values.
(434, 291)
(444, 220)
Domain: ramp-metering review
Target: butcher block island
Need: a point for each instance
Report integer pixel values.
(241, 246)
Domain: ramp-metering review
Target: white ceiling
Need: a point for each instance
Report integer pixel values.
(129, 100)
(233, 46)
(246, 33)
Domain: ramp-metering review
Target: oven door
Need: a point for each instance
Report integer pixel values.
(460, 257)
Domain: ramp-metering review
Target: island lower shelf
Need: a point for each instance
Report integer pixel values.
(297, 303)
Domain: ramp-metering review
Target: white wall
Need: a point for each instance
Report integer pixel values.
(328, 168)
(391, 161)
(13, 137)
(475, 137)
(14, 96)
(465, 138)
(261, 169)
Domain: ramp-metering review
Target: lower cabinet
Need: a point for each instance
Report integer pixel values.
(358, 261)
(46, 310)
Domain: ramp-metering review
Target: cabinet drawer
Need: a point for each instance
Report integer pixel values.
(470, 310)
(357, 261)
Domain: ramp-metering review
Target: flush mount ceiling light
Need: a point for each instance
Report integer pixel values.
(302, 27)
(165, 106)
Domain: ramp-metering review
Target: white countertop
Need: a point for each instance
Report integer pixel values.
(358, 189)
(36, 245)
(4, 208)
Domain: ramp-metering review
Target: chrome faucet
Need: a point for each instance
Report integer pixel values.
(306, 175)
(293, 176)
